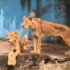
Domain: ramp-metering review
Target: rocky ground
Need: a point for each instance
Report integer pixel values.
(51, 58)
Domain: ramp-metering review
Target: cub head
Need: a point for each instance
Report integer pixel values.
(27, 22)
(12, 36)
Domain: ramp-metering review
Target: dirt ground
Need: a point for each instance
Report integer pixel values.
(54, 49)
(4, 47)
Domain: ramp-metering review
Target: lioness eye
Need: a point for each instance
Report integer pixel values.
(11, 35)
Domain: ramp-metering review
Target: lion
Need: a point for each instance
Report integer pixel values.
(46, 28)
(16, 46)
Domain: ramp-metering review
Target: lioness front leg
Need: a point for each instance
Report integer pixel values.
(14, 57)
(25, 44)
(39, 45)
(35, 44)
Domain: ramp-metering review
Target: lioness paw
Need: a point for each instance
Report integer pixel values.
(67, 53)
(38, 52)
(33, 51)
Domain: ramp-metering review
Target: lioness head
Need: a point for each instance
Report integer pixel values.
(12, 36)
(27, 22)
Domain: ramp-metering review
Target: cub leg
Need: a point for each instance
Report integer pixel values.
(14, 57)
(10, 54)
(26, 47)
(10, 57)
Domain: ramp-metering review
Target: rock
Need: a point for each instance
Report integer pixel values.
(51, 57)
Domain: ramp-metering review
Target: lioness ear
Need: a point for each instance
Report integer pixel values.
(24, 17)
(30, 18)
(16, 31)
(7, 32)
(39, 20)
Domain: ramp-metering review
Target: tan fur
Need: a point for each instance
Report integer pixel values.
(16, 43)
(46, 28)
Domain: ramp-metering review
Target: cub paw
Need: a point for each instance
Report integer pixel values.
(13, 62)
(9, 62)
(25, 48)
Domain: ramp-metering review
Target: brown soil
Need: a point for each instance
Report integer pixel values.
(52, 55)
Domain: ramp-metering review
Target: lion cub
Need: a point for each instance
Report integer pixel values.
(16, 46)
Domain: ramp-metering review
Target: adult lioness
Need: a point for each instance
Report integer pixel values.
(45, 28)
(17, 44)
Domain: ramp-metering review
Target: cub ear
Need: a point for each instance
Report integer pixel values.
(30, 18)
(24, 17)
(16, 31)
(7, 32)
